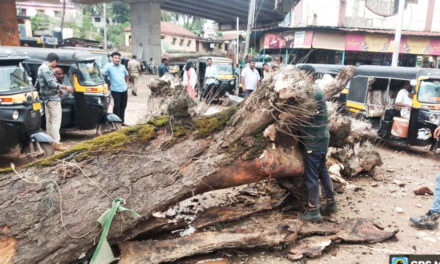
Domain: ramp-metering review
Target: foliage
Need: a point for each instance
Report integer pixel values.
(116, 34)
(168, 16)
(119, 12)
(40, 21)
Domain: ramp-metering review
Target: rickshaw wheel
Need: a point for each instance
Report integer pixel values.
(108, 127)
(41, 150)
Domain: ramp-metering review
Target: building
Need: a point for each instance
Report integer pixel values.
(355, 32)
(32, 8)
(177, 39)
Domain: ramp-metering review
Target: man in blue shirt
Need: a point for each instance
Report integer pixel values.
(118, 75)
(163, 67)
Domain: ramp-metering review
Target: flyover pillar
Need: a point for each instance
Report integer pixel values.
(8, 24)
(145, 30)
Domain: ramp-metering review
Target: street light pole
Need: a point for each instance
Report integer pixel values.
(237, 48)
(398, 35)
(251, 14)
(105, 24)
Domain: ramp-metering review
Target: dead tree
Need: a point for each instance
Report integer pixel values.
(153, 166)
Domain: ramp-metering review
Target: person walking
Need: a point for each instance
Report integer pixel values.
(430, 219)
(118, 76)
(316, 139)
(250, 79)
(50, 92)
(190, 80)
(134, 70)
(163, 67)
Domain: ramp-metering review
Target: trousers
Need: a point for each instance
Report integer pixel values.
(134, 82)
(436, 203)
(315, 170)
(53, 119)
(119, 104)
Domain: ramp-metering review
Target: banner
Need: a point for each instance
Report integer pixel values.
(367, 42)
(385, 43)
(279, 40)
(420, 46)
(288, 39)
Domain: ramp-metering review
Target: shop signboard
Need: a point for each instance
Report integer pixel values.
(288, 39)
(385, 43)
(367, 42)
(278, 40)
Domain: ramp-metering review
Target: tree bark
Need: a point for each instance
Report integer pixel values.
(153, 166)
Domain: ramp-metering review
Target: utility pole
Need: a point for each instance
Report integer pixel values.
(105, 25)
(237, 53)
(62, 22)
(250, 23)
(398, 35)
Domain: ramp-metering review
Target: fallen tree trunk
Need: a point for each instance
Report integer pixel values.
(152, 166)
(250, 233)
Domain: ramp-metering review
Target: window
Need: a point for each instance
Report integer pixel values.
(181, 42)
(174, 41)
(57, 13)
(189, 43)
(22, 12)
(40, 12)
(97, 19)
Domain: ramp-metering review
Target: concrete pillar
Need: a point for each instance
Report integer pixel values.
(8, 24)
(145, 30)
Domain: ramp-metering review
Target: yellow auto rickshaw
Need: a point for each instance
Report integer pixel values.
(225, 81)
(372, 94)
(87, 107)
(20, 111)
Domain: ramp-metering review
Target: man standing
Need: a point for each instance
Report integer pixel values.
(118, 75)
(134, 69)
(210, 74)
(316, 139)
(250, 79)
(163, 67)
(430, 219)
(51, 91)
(266, 71)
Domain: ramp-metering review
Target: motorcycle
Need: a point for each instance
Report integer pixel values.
(148, 66)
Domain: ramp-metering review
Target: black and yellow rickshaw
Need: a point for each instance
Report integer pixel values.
(20, 111)
(225, 81)
(373, 90)
(87, 107)
(102, 56)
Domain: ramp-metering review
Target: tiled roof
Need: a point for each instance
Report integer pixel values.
(171, 29)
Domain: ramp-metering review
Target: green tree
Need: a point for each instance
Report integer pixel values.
(120, 12)
(40, 21)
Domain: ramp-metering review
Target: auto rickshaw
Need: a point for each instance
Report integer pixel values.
(101, 55)
(20, 111)
(372, 94)
(87, 107)
(225, 80)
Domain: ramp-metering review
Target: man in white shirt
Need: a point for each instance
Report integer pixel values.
(210, 73)
(404, 101)
(250, 79)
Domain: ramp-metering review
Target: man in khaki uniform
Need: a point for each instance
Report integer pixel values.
(134, 69)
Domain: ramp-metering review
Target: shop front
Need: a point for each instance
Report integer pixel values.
(351, 48)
